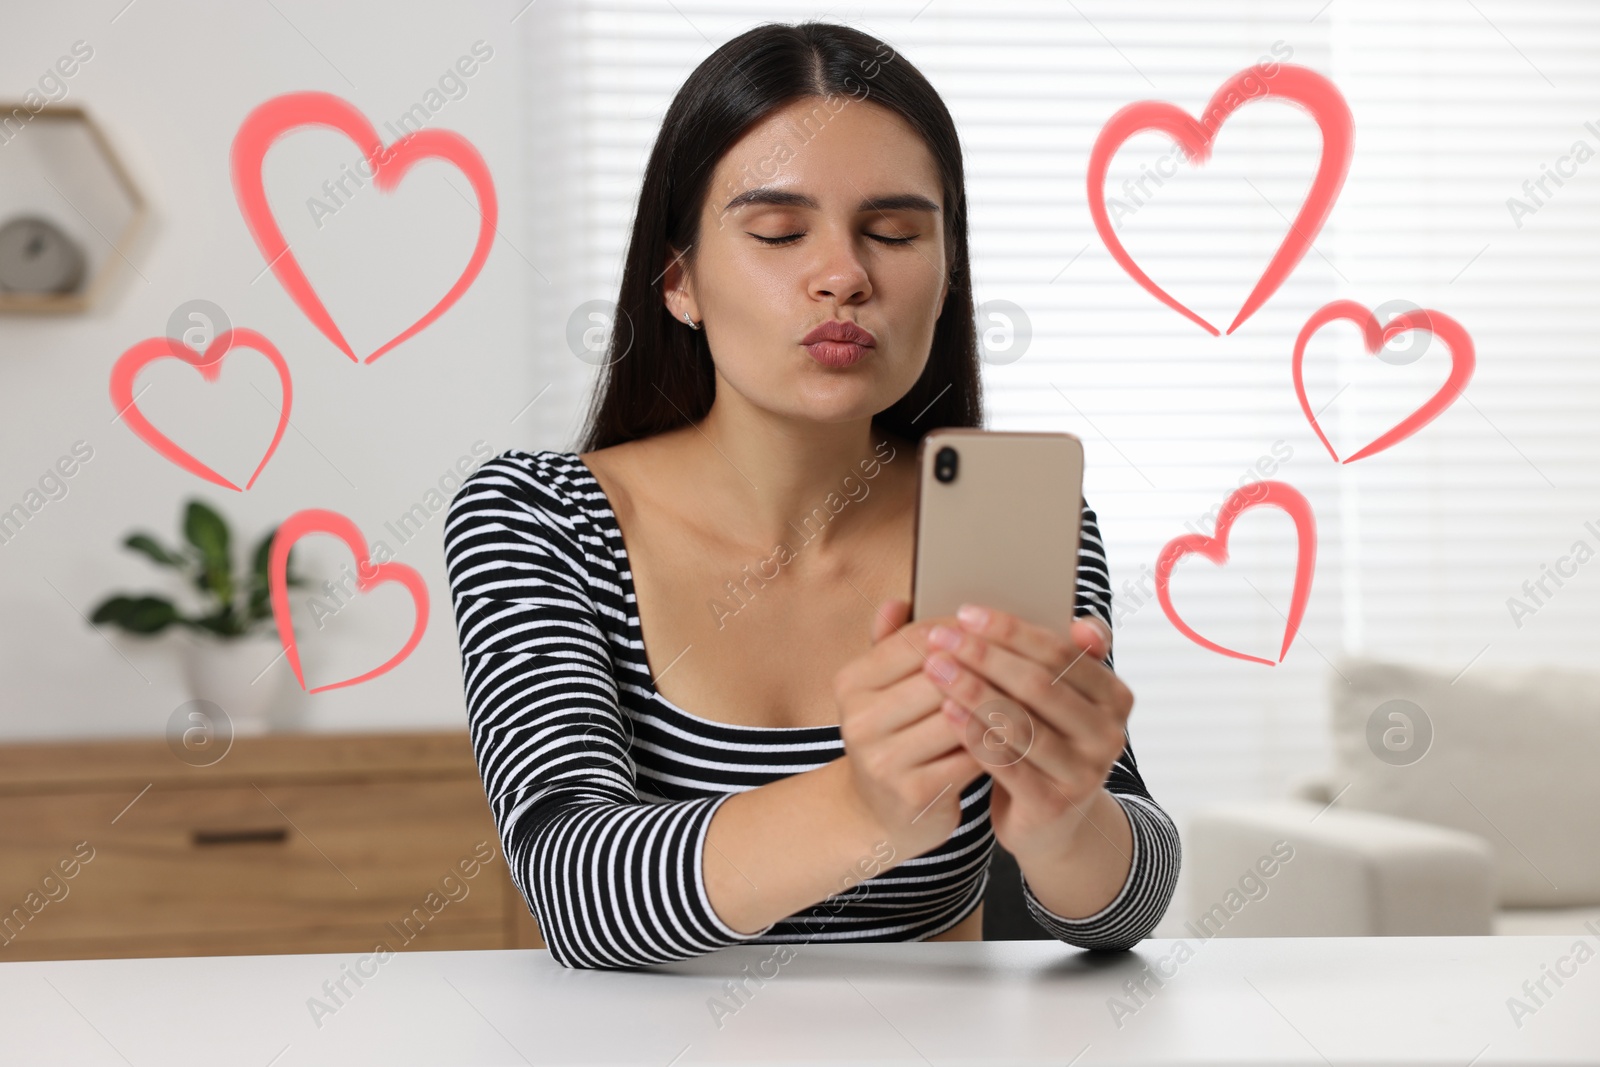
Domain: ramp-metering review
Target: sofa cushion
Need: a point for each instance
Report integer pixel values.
(1508, 753)
(1548, 922)
(1295, 868)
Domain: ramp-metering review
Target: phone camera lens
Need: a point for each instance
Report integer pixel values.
(944, 464)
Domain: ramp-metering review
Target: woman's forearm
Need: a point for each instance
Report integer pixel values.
(777, 849)
(1087, 875)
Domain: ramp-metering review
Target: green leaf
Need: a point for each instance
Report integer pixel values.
(223, 622)
(140, 615)
(261, 602)
(207, 532)
(148, 545)
(258, 569)
(110, 610)
(259, 579)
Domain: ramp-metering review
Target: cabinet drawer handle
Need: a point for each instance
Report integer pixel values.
(269, 835)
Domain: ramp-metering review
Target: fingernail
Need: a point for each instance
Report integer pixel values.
(955, 712)
(1102, 632)
(941, 636)
(973, 615)
(942, 668)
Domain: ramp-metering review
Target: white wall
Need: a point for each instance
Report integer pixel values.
(170, 81)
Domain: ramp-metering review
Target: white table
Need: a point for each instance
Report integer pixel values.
(1433, 1000)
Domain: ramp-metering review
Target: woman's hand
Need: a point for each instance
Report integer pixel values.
(907, 767)
(1042, 714)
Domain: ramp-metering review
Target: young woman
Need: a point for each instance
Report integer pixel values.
(700, 712)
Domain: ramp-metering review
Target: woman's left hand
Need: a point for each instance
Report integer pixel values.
(1041, 712)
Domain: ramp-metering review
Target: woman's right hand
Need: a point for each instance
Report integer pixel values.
(907, 764)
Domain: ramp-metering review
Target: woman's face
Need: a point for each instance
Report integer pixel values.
(826, 210)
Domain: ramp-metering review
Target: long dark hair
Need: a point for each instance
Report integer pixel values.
(658, 373)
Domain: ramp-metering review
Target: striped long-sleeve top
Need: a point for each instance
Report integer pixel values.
(602, 790)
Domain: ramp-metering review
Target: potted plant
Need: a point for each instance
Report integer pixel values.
(235, 636)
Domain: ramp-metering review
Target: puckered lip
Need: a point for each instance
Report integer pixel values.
(840, 330)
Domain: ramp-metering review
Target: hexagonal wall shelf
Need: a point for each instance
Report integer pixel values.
(69, 210)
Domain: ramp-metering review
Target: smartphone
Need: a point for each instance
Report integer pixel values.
(997, 523)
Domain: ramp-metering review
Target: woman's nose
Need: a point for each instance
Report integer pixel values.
(840, 271)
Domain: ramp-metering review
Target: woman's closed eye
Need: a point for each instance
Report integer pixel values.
(788, 238)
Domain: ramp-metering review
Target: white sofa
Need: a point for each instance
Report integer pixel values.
(1462, 804)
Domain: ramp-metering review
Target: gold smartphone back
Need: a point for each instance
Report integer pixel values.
(997, 523)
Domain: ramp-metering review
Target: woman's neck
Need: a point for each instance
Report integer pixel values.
(764, 477)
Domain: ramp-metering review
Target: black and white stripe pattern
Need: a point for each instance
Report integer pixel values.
(603, 790)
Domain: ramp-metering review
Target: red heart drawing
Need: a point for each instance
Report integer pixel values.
(1463, 359)
(1296, 84)
(1278, 494)
(318, 520)
(282, 114)
(209, 364)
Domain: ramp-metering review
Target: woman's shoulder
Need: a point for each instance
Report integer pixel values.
(544, 478)
(530, 504)
(541, 491)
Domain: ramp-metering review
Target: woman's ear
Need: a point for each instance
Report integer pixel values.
(678, 287)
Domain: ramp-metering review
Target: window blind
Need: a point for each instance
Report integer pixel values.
(1420, 548)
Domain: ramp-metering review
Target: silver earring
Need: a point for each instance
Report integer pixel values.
(690, 321)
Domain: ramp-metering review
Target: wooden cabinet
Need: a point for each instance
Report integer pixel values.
(288, 843)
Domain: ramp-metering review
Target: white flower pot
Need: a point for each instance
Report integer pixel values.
(234, 674)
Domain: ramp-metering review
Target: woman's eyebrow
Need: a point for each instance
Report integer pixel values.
(784, 198)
